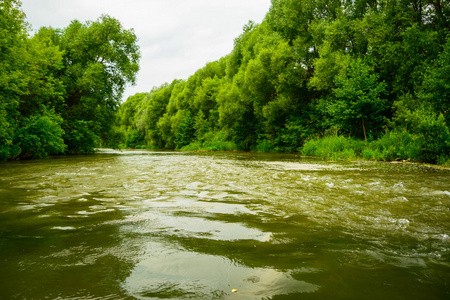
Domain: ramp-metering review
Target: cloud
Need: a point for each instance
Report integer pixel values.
(176, 37)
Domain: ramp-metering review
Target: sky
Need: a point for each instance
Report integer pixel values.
(176, 37)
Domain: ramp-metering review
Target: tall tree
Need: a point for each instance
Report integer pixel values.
(357, 105)
(29, 89)
(12, 53)
(101, 57)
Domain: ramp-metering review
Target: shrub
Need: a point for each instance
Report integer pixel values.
(264, 146)
(393, 145)
(333, 147)
(212, 142)
(434, 138)
(134, 138)
(430, 131)
(41, 136)
(192, 146)
(219, 146)
(80, 136)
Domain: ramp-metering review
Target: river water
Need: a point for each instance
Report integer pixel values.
(171, 225)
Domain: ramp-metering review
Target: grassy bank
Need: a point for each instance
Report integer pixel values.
(393, 146)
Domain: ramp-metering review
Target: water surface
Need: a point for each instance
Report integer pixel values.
(170, 225)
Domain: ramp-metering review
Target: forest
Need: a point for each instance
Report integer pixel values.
(60, 88)
(338, 79)
(329, 78)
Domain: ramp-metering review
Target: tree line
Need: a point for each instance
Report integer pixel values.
(330, 78)
(60, 88)
(344, 78)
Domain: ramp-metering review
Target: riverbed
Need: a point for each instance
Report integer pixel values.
(176, 225)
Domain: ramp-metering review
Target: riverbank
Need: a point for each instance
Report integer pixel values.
(393, 146)
(329, 154)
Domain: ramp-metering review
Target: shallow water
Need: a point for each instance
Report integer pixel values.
(170, 225)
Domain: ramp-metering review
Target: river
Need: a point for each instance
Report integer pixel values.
(174, 225)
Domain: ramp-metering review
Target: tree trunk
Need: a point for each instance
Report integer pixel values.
(364, 129)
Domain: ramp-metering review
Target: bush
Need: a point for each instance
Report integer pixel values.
(219, 146)
(80, 136)
(434, 139)
(444, 161)
(393, 145)
(294, 134)
(41, 136)
(115, 138)
(264, 146)
(212, 142)
(333, 147)
(193, 146)
(430, 131)
(134, 138)
(431, 144)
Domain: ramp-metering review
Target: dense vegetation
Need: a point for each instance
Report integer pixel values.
(330, 78)
(334, 78)
(59, 89)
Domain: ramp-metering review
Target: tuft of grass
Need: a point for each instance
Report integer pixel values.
(334, 147)
(211, 142)
(148, 147)
(265, 146)
(393, 145)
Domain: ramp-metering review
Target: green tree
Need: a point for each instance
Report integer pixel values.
(311, 68)
(200, 126)
(40, 136)
(186, 131)
(436, 85)
(431, 133)
(12, 54)
(357, 105)
(100, 58)
(30, 92)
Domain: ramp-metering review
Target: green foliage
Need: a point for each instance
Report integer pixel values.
(185, 131)
(133, 139)
(212, 142)
(59, 89)
(393, 145)
(434, 137)
(40, 136)
(430, 145)
(6, 133)
(79, 136)
(113, 139)
(265, 145)
(316, 68)
(311, 68)
(356, 106)
(200, 126)
(436, 85)
(431, 130)
(100, 58)
(333, 147)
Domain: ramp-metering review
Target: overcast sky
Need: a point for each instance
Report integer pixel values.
(176, 37)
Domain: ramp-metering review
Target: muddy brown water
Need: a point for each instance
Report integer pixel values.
(171, 225)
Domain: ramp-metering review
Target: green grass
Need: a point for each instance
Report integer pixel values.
(210, 146)
(392, 146)
(211, 142)
(334, 147)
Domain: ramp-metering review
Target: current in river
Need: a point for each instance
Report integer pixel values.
(176, 225)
